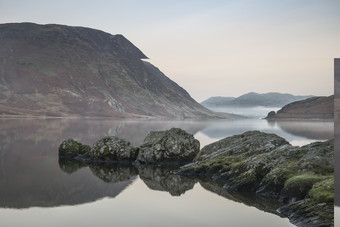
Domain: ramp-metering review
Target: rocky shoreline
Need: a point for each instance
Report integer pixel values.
(301, 179)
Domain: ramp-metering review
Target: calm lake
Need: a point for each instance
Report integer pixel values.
(38, 190)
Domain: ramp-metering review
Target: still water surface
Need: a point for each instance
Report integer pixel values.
(37, 190)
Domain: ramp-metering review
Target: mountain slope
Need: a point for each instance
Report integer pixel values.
(56, 70)
(315, 108)
(271, 99)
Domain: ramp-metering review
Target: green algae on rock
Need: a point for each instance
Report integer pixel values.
(71, 148)
(268, 165)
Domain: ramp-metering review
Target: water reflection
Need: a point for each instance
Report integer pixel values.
(30, 174)
(315, 130)
(161, 179)
(113, 173)
(296, 132)
(53, 131)
(249, 199)
(70, 166)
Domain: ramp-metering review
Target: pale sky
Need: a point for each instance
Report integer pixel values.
(213, 47)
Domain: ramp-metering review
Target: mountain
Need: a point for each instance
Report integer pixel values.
(217, 101)
(311, 108)
(57, 70)
(252, 99)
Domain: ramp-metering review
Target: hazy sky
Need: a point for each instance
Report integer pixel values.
(213, 47)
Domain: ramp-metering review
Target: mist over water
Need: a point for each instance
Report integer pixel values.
(254, 112)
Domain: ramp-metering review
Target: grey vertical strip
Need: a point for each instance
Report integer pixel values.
(337, 130)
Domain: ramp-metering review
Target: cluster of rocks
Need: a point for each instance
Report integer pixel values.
(299, 178)
(173, 146)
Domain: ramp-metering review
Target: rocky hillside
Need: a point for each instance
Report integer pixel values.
(56, 70)
(312, 108)
(271, 99)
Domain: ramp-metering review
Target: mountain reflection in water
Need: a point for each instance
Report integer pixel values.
(299, 132)
(29, 169)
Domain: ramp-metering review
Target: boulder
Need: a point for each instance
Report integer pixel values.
(172, 146)
(268, 165)
(247, 144)
(113, 149)
(71, 148)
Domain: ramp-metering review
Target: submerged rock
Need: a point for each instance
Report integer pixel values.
(71, 148)
(268, 165)
(171, 146)
(113, 149)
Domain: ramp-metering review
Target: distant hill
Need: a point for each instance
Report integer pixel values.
(252, 99)
(217, 101)
(57, 70)
(311, 108)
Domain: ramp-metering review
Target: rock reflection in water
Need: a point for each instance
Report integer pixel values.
(70, 166)
(161, 179)
(249, 199)
(155, 178)
(113, 173)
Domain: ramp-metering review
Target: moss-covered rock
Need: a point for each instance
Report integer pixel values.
(323, 192)
(113, 149)
(171, 146)
(298, 186)
(71, 148)
(268, 165)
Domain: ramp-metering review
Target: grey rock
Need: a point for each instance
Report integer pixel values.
(113, 149)
(268, 165)
(170, 146)
(71, 148)
(246, 144)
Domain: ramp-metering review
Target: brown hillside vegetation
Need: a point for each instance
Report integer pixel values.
(56, 70)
